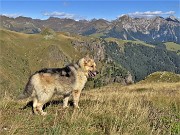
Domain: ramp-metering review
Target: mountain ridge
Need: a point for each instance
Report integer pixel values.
(151, 30)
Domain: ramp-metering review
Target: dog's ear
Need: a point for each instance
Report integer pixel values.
(87, 57)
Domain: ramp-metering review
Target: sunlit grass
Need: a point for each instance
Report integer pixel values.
(136, 109)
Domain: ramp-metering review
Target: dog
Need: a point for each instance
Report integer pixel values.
(67, 81)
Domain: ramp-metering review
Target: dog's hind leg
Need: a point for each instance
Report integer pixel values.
(35, 105)
(65, 101)
(43, 98)
(39, 108)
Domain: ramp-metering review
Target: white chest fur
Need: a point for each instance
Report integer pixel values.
(80, 81)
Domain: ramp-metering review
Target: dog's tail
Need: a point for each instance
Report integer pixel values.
(22, 96)
(27, 91)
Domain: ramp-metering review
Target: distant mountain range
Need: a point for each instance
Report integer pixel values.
(150, 30)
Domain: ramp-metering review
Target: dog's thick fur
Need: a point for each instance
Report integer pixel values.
(70, 80)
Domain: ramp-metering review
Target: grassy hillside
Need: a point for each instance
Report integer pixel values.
(162, 77)
(122, 42)
(23, 54)
(173, 47)
(142, 109)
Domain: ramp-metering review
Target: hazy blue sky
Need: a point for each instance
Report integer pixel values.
(86, 9)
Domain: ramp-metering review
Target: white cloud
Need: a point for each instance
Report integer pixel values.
(150, 13)
(59, 14)
(12, 15)
(63, 15)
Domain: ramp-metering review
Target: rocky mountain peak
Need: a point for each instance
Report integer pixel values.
(52, 18)
(172, 18)
(158, 18)
(93, 20)
(100, 22)
(22, 18)
(125, 18)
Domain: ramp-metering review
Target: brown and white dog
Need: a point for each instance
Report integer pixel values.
(70, 80)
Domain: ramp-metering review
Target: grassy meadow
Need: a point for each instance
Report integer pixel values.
(138, 109)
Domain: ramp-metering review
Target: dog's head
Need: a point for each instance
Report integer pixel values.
(89, 66)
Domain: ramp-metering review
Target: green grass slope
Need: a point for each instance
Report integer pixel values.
(162, 77)
(23, 54)
(173, 47)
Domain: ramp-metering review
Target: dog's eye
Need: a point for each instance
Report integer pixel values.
(92, 66)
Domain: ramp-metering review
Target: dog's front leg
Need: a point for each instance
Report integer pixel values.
(76, 95)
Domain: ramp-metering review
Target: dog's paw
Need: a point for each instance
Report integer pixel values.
(65, 107)
(43, 113)
(76, 107)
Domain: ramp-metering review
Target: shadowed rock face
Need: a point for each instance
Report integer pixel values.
(156, 29)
